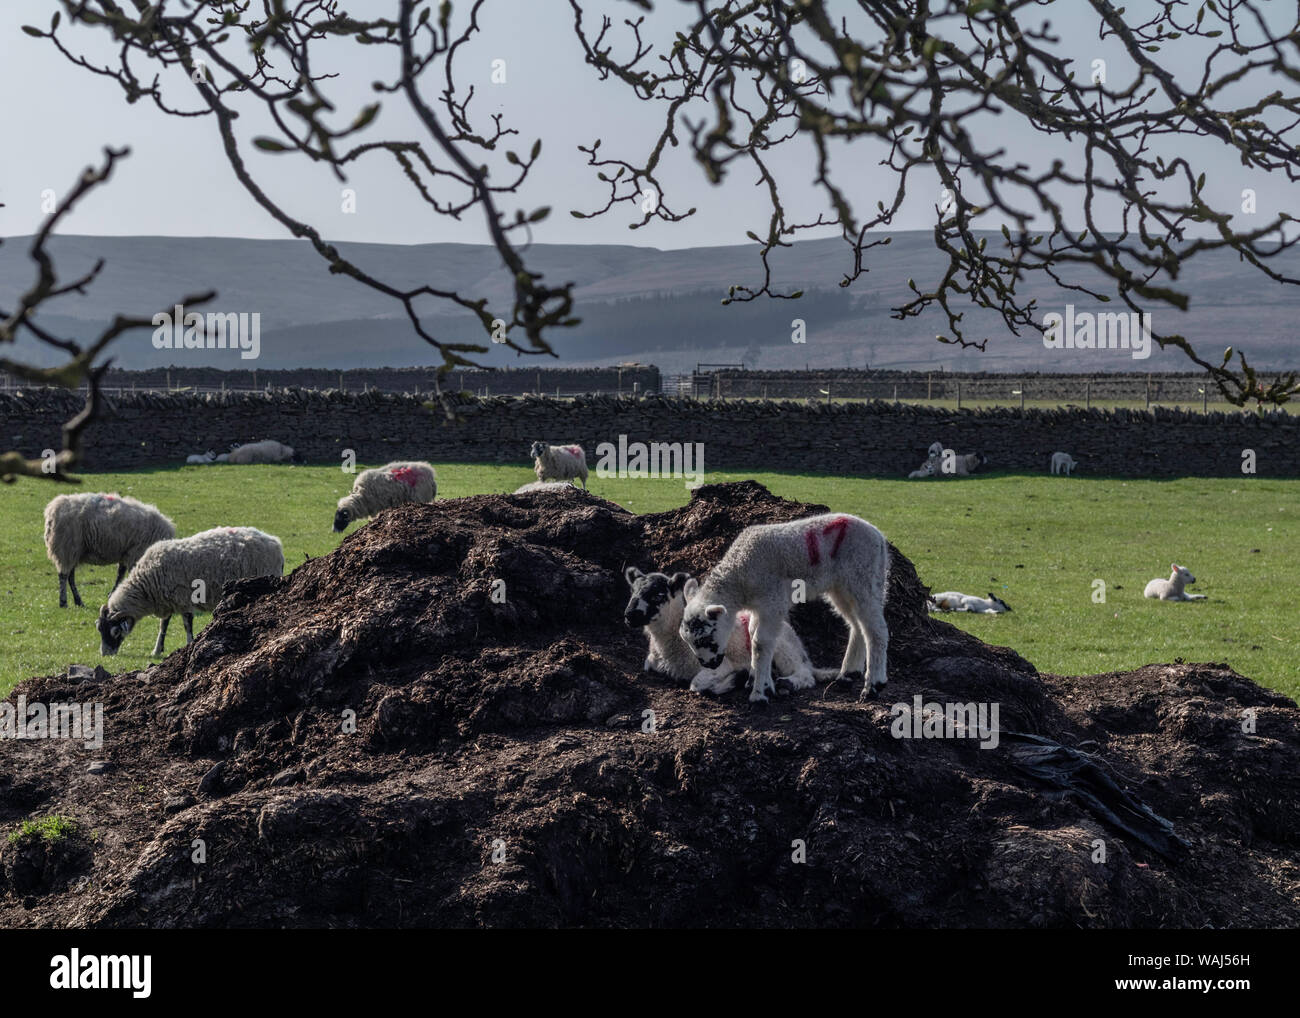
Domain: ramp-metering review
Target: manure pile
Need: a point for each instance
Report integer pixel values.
(377, 740)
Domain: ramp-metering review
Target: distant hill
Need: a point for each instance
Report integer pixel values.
(660, 307)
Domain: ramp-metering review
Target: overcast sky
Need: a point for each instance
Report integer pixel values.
(56, 119)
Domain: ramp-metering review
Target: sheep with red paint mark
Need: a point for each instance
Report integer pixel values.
(656, 605)
(838, 557)
(559, 462)
(385, 487)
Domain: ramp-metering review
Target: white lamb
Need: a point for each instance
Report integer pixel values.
(955, 601)
(1062, 463)
(201, 459)
(559, 462)
(269, 451)
(836, 556)
(543, 486)
(384, 487)
(943, 462)
(185, 575)
(657, 604)
(99, 529)
(1172, 588)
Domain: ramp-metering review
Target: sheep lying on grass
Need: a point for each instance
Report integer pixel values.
(840, 557)
(99, 529)
(1062, 463)
(383, 488)
(1172, 588)
(943, 462)
(201, 459)
(185, 575)
(559, 462)
(269, 451)
(657, 604)
(953, 601)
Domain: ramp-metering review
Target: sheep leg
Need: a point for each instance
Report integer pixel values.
(63, 590)
(72, 583)
(876, 634)
(188, 619)
(162, 635)
(855, 654)
(763, 649)
(121, 571)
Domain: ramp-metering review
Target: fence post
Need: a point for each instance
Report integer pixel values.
(1148, 391)
(1022, 395)
(959, 395)
(929, 387)
(1087, 394)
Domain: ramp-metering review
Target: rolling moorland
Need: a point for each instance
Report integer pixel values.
(660, 307)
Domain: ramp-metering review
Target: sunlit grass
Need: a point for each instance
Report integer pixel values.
(1039, 542)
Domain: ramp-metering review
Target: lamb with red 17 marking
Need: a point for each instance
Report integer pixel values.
(841, 558)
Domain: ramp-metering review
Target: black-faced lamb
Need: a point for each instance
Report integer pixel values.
(1172, 588)
(836, 556)
(384, 487)
(185, 576)
(559, 462)
(955, 601)
(269, 451)
(99, 529)
(656, 605)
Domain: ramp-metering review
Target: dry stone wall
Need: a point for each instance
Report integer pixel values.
(887, 439)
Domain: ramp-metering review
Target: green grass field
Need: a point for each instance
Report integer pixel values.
(1039, 542)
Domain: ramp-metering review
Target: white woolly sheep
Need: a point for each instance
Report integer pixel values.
(943, 462)
(99, 529)
(1172, 588)
(269, 451)
(201, 459)
(1062, 463)
(559, 462)
(657, 604)
(836, 556)
(186, 575)
(384, 487)
(543, 486)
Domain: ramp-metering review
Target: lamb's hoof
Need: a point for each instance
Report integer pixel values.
(849, 678)
(869, 692)
(784, 687)
(758, 699)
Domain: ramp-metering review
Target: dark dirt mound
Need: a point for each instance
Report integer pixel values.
(375, 740)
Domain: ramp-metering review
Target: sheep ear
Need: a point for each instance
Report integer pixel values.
(103, 611)
(691, 587)
(678, 581)
(715, 611)
(632, 574)
(1173, 566)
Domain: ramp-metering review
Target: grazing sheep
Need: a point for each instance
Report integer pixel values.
(559, 462)
(99, 529)
(1063, 462)
(269, 451)
(657, 604)
(201, 459)
(185, 575)
(1172, 588)
(836, 556)
(543, 486)
(383, 488)
(952, 601)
